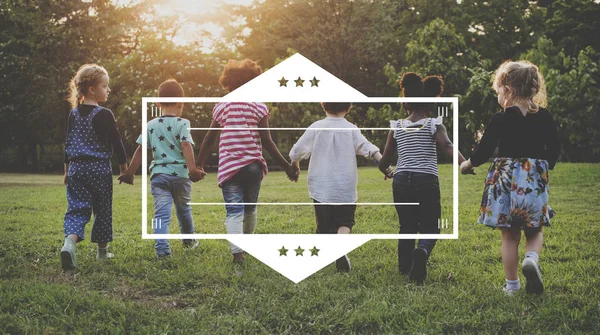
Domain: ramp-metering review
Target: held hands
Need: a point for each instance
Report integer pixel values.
(126, 177)
(389, 173)
(196, 174)
(293, 171)
(467, 168)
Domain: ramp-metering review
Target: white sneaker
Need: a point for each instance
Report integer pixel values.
(511, 291)
(531, 271)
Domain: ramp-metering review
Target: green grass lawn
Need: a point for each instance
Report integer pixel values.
(200, 291)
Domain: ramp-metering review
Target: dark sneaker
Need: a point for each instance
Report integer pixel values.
(343, 264)
(190, 244)
(67, 255)
(238, 258)
(418, 272)
(163, 255)
(531, 271)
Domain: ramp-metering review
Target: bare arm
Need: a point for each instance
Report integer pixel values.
(66, 173)
(388, 153)
(267, 142)
(194, 172)
(444, 143)
(269, 145)
(207, 143)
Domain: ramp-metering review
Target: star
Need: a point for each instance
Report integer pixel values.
(162, 138)
(178, 137)
(299, 82)
(164, 164)
(314, 82)
(179, 119)
(175, 162)
(299, 251)
(283, 82)
(161, 120)
(185, 166)
(314, 251)
(172, 146)
(174, 174)
(151, 130)
(163, 155)
(183, 138)
(154, 149)
(169, 128)
(283, 251)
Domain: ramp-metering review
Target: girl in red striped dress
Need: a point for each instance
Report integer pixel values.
(241, 164)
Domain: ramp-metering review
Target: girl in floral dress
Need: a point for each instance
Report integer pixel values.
(515, 195)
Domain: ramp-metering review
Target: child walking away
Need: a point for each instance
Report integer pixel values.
(515, 195)
(415, 179)
(241, 164)
(332, 171)
(172, 169)
(91, 137)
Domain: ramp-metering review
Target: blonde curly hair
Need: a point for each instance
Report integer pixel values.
(87, 76)
(526, 83)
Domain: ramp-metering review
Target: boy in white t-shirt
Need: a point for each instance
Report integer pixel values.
(332, 171)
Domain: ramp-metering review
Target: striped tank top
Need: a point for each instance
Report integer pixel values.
(240, 144)
(415, 145)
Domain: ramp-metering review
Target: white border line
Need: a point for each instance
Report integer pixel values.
(453, 100)
(304, 203)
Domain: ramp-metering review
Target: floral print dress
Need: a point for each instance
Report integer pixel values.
(516, 193)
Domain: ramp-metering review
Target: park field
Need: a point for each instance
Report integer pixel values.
(201, 291)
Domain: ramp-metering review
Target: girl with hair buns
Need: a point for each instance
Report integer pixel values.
(515, 195)
(415, 179)
(91, 137)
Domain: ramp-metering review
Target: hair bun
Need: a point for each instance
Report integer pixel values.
(411, 85)
(433, 86)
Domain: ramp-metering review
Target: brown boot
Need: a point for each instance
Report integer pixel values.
(238, 257)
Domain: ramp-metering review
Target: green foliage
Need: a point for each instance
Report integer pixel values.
(573, 97)
(368, 44)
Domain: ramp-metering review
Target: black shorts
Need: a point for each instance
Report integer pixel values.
(331, 217)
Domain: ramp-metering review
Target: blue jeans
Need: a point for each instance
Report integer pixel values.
(243, 187)
(423, 188)
(167, 190)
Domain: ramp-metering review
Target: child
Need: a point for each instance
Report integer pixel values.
(172, 169)
(414, 141)
(241, 164)
(91, 137)
(515, 195)
(332, 171)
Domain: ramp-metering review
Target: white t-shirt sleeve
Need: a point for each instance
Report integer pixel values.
(362, 146)
(303, 148)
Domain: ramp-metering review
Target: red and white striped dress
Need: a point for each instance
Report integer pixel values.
(241, 146)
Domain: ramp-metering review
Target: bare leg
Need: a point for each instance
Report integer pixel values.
(534, 241)
(510, 252)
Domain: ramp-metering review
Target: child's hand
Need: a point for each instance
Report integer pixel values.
(196, 174)
(467, 168)
(389, 173)
(126, 177)
(292, 171)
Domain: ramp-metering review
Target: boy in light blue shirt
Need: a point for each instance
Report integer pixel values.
(172, 169)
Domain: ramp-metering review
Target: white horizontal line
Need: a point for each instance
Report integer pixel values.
(303, 203)
(275, 128)
(355, 100)
(331, 236)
